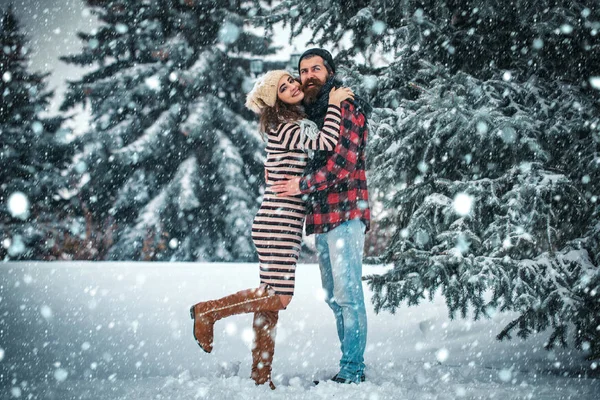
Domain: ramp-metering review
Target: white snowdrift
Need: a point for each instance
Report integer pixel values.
(122, 330)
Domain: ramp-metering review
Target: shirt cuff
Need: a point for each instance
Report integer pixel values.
(303, 184)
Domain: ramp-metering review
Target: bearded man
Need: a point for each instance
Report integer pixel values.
(337, 207)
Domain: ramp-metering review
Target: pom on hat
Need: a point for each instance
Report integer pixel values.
(264, 92)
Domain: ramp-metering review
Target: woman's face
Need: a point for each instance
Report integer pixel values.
(288, 90)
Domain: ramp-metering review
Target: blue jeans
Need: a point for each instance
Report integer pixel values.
(340, 259)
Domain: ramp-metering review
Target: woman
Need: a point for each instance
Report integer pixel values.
(277, 227)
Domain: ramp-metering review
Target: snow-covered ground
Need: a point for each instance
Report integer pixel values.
(122, 331)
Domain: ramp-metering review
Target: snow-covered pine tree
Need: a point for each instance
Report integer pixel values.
(556, 39)
(170, 159)
(485, 148)
(31, 211)
(485, 211)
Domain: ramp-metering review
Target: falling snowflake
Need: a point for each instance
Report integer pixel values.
(248, 336)
(566, 29)
(442, 355)
(482, 127)
(229, 33)
(320, 294)
(81, 167)
(17, 246)
(60, 374)
(231, 329)
(46, 312)
(18, 205)
(378, 27)
(37, 127)
(460, 391)
(508, 135)
(153, 82)
(505, 375)
(463, 204)
(121, 28)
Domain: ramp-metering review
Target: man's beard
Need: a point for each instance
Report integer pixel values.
(311, 93)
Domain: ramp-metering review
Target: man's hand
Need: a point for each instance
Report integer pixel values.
(289, 187)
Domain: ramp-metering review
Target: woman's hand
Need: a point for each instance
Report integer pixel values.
(336, 96)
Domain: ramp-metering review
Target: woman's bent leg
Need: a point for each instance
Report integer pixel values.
(205, 314)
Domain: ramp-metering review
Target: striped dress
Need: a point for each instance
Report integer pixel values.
(277, 227)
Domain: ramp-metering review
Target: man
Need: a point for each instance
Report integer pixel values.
(337, 209)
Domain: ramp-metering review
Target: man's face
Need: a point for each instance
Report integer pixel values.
(313, 76)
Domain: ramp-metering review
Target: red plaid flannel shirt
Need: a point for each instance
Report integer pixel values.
(338, 190)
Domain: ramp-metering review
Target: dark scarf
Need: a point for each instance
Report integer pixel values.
(316, 111)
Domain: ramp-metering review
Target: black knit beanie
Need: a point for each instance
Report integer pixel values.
(324, 54)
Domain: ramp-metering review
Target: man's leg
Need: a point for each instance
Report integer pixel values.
(346, 244)
(327, 283)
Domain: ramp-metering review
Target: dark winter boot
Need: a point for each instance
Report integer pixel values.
(205, 314)
(337, 379)
(265, 328)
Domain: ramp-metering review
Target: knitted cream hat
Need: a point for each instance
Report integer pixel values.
(264, 92)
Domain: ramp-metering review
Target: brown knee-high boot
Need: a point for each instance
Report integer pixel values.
(205, 314)
(265, 328)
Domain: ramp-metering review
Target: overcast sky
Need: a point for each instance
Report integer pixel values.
(51, 27)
